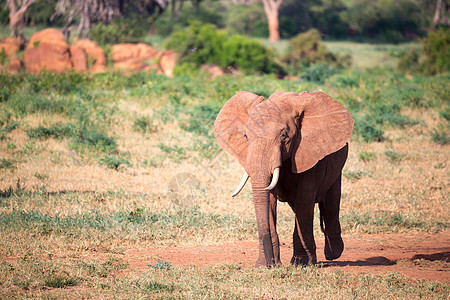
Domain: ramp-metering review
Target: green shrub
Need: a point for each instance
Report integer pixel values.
(366, 128)
(318, 72)
(436, 49)
(205, 44)
(306, 48)
(58, 130)
(394, 157)
(119, 31)
(433, 58)
(113, 161)
(57, 281)
(249, 21)
(440, 135)
(367, 156)
(144, 124)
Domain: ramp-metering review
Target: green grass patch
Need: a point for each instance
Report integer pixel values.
(387, 221)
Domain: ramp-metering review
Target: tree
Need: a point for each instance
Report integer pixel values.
(17, 9)
(439, 14)
(102, 11)
(271, 8)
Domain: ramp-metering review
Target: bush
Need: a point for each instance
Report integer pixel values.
(306, 48)
(318, 72)
(436, 49)
(119, 31)
(247, 20)
(205, 44)
(433, 58)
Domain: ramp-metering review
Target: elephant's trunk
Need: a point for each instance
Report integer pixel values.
(261, 201)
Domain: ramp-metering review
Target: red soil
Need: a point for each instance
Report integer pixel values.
(419, 256)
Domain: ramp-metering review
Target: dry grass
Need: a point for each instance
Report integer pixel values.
(59, 208)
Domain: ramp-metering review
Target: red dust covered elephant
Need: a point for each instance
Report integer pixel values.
(293, 147)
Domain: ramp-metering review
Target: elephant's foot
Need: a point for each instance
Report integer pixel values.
(303, 260)
(261, 263)
(333, 247)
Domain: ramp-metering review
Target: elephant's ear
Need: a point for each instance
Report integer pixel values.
(325, 127)
(229, 124)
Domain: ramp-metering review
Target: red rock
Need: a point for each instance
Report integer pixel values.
(94, 53)
(15, 65)
(78, 58)
(50, 57)
(10, 45)
(167, 62)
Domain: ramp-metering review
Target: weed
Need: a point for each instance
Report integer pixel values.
(176, 154)
(136, 215)
(368, 130)
(156, 287)
(41, 176)
(144, 124)
(394, 157)
(440, 135)
(355, 175)
(113, 161)
(161, 264)
(59, 281)
(7, 164)
(367, 156)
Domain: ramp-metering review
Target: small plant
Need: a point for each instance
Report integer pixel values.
(440, 135)
(136, 215)
(154, 286)
(161, 264)
(7, 163)
(355, 175)
(367, 156)
(113, 161)
(41, 176)
(318, 72)
(58, 281)
(144, 125)
(394, 157)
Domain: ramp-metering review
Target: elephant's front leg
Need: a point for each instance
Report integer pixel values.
(273, 232)
(304, 244)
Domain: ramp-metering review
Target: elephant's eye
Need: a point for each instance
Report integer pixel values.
(284, 135)
(246, 137)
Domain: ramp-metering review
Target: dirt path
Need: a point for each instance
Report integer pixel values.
(420, 256)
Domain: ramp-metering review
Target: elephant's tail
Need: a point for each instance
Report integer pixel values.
(321, 222)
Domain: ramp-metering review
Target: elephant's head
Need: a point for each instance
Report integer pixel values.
(303, 127)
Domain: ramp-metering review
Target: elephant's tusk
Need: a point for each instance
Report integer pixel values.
(241, 184)
(275, 177)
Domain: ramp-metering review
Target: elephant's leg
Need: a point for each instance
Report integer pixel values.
(273, 232)
(304, 244)
(329, 210)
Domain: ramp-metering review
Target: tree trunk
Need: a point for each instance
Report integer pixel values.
(271, 8)
(16, 21)
(437, 12)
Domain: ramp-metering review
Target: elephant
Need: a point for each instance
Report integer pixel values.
(293, 148)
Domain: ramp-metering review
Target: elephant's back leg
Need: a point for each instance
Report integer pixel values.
(329, 211)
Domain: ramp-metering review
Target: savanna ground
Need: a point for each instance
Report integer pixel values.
(114, 187)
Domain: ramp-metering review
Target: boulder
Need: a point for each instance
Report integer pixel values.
(213, 70)
(78, 58)
(167, 62)
(94, 53)
(50, 57)
(10, 45)
(121, 52)
(47, 50)
(49, 36)
(15, 65)
(132, 57)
